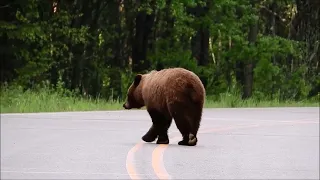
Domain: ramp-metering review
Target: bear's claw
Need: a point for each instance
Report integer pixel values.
(163, 140)
(148, 138)
(191, 141)
(183, 143)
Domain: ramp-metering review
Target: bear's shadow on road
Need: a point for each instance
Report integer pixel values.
(173, 145)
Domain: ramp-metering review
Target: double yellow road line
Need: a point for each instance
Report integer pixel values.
(157, 154)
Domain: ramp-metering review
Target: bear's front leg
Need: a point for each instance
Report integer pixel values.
(163, 136)
(160, 124)
(163, 127)
(151, 135)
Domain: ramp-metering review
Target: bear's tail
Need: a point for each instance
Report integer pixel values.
(196, 94)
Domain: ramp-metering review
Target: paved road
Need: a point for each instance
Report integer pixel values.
(268, 143)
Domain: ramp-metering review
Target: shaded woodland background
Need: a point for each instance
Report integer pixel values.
(263, 48)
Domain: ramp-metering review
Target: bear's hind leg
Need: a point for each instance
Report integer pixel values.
(183, 117)
(184, 129)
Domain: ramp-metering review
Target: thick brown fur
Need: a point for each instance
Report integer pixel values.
(170, 93)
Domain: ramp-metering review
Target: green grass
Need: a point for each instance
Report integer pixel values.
(14, 100)
(234, 101)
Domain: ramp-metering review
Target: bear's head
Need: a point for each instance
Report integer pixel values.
(134, 94)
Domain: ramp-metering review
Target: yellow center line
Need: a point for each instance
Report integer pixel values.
(129, 162)
(157, 154)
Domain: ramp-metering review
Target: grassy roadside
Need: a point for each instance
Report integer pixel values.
(16, 101)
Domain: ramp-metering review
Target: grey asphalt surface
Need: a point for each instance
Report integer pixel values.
(275, 143)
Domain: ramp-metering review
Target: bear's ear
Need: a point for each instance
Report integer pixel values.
(137, 79)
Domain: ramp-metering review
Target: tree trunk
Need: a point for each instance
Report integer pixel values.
(228, 66)
(77, 59)
(200, 42)
(306, 25)
(144, 23)
(248, 65)
(272, 30)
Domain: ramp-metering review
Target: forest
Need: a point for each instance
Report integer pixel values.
(265, 49)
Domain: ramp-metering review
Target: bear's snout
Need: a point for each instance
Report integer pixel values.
(126, 106)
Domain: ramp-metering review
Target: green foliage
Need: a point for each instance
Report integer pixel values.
(85, 48)
(34, 44)
(174, 56)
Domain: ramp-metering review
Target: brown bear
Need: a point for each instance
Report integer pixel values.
(170, 93)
